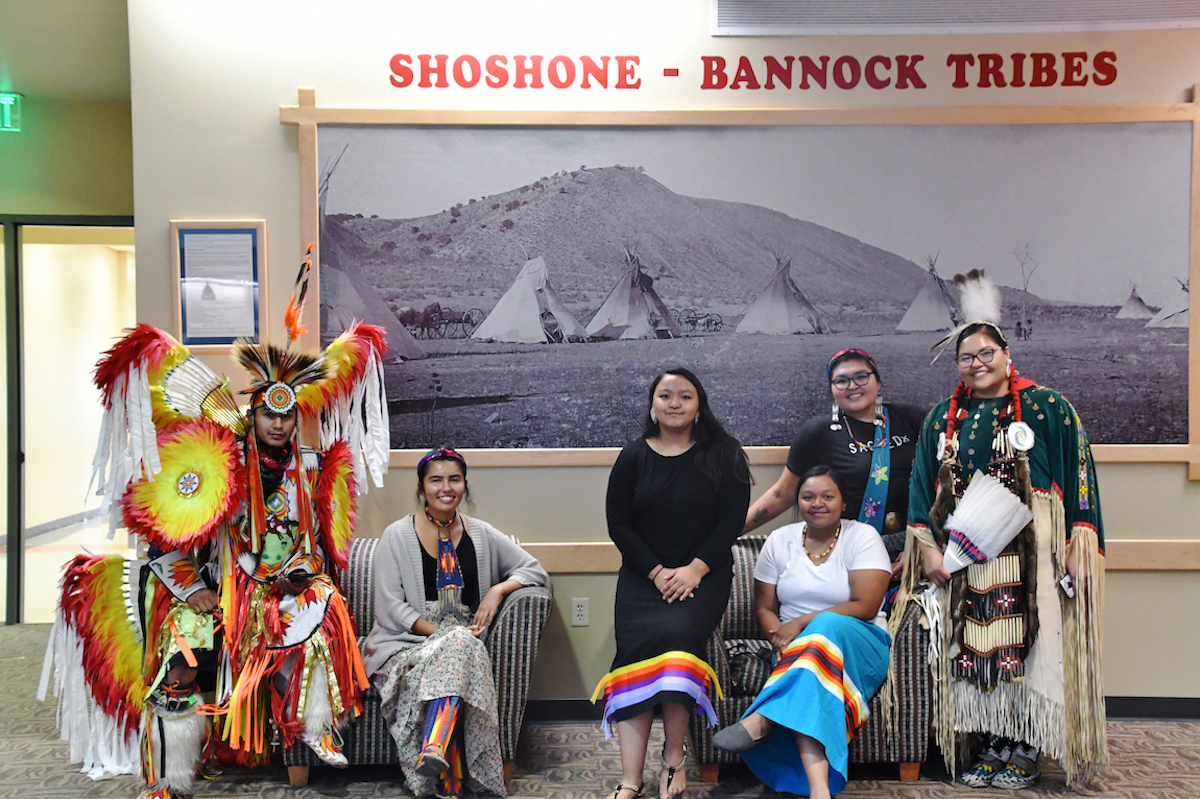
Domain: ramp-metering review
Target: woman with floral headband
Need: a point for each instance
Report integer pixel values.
(440, 577)
(868, 443)
(1019, 655)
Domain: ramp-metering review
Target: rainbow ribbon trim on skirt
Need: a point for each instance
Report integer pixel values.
(677, 672)
(821, 656)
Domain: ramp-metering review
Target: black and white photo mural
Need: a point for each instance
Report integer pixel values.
(534, 279)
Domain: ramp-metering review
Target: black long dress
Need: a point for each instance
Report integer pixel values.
(665, 510)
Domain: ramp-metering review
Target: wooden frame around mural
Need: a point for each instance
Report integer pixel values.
(259, 228)
(307, 115)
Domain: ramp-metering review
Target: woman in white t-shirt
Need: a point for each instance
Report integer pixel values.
(818, 587)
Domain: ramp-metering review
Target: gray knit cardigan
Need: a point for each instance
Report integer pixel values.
(400, 582)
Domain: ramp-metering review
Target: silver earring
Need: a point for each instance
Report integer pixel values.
(653, 416)
(836, 422)
(697, 419)
(1008, 369)
(879, 409)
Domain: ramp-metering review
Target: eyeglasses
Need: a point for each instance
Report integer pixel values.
(984, 356)
(860, 379)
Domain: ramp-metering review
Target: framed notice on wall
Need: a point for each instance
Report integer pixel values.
(220, 281)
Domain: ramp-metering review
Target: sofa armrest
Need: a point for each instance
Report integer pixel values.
(512, 643)
(913, 712)
(714, 653)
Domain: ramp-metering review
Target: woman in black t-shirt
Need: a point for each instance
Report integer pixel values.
(850, 441)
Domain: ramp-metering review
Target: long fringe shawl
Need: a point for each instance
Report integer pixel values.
(1086, 754)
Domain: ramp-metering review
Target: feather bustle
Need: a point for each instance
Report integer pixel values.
(336, 502)
(93, 605)
(141, 343)
(160, 516)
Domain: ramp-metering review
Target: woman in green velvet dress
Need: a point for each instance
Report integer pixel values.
(1019, 634)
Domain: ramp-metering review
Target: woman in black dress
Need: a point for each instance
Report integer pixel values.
(677, 499)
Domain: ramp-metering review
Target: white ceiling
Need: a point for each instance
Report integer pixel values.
(884, 17)
(65, 48)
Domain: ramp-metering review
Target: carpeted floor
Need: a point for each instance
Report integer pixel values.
(1156, 759)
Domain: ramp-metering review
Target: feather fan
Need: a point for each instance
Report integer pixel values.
(987, 519)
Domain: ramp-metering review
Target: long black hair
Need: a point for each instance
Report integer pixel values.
(719, 453)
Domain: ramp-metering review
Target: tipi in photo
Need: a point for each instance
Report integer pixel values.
(781, 308)
(346, 295)
(529, 312)
(933, 308)
(1174, 314)
(626, 311)
(1135, 307)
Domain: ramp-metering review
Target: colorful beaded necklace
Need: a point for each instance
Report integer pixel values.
(438, 523)
(814, 558)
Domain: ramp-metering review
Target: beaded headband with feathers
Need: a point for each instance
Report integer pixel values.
(277, 373)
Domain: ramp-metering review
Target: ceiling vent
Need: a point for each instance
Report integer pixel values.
(876, 17)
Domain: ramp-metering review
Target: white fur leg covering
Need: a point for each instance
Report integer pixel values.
(318, 716)
(176, 744)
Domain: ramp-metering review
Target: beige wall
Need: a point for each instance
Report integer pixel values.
(207, 82)
(71, 157)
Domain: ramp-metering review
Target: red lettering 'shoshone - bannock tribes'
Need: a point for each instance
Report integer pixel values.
(235, 635)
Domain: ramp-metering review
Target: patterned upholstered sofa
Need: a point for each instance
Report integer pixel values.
(741, 658)
(512, 643)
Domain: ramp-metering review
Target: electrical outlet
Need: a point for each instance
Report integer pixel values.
(579, 611)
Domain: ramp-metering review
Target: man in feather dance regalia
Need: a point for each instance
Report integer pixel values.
(243, 527)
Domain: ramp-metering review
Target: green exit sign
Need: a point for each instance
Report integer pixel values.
(10, 112)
